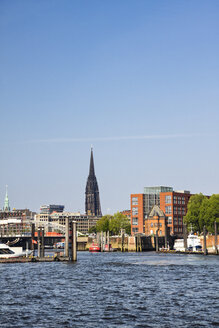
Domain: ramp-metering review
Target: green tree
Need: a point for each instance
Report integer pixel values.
(92, 229)
(210, 212)
(103, 223)
(193, 218)
(119, 221)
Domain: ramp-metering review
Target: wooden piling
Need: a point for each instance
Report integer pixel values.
(74, 241)
(205, 248)
(215, 237)
(108, 241)
(185, 236)
(67, 236)
(166, 235)
(42, 243)
(101, 241)
(38, 242)
(157, 241)
(32, 236)
(122, 239)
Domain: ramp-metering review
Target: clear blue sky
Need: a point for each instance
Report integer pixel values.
(139, 80)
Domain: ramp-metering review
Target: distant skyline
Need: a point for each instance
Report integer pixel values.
(139, 80)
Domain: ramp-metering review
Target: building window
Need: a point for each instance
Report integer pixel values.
(151, 225)
(169, 219)
(168, 199)
(175, 210)
(183, 211)
(160, 232)
(183, 200)
(180, 221)
(134, 211)
(175, 200)
(179, 200)
(152, 232)
(134, 200)
(134, 229)
(168, 209)
(179, 210)
(175, 221)
(134, 221)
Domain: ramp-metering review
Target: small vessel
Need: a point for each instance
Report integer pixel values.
(193, 244)
(108, 248)
(7, 252)
(94, 248)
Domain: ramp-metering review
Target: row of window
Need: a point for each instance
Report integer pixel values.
(176, 200)
(176, 210)
(156, 225)
(134, 200)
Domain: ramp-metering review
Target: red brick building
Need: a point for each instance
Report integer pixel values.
(137, 213)
(174, 205)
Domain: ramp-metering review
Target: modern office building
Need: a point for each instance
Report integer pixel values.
(56, 221)
(92, 198)
(142, 204)
(48, 209)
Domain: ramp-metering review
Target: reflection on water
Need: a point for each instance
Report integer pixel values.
(112, 290)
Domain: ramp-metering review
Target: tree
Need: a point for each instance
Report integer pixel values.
(193, 218)
(118, 222)
(202, 211)
(103, 223)
(92, 229)
(210, 212)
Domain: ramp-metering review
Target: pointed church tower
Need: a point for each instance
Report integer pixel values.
(92, 199)
(6, 203)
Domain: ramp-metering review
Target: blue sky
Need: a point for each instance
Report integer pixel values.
(139, 80)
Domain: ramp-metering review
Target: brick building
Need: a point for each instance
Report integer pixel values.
(142, 204)
(172, 203)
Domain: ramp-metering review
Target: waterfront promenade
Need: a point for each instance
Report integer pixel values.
(112, 290)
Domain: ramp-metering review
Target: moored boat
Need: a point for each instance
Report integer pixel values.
(7, 252)
(94, 248)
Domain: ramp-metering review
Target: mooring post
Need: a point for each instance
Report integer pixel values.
(185, 236)
(32, 236)
(157, 241)
(101, 241)
(43, 244)
(122, 239)
(74, 241)
(108, 241)
(38, 243)
(215, 237)
(166, 236)
(67, 236)
(105, 240)
(204, 233)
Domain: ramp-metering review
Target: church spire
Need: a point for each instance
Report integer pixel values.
(6, 203)
(92, 199)
(91, 172)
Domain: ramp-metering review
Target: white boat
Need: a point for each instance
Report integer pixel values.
(7, 252)
(193, 244)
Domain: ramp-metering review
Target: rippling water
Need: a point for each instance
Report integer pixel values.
(112, 290)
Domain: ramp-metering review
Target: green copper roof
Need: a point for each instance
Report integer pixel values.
(6, 203)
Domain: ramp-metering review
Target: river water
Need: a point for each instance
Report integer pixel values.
(112, 290)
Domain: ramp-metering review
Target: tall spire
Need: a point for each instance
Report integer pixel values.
(91, 172)
(92, 199)
(6, 202)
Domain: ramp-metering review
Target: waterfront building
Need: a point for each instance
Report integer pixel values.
(48, 209)
(92, 199)
(156, 220)
(142, 204)
(174, 204)
(56, 221)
